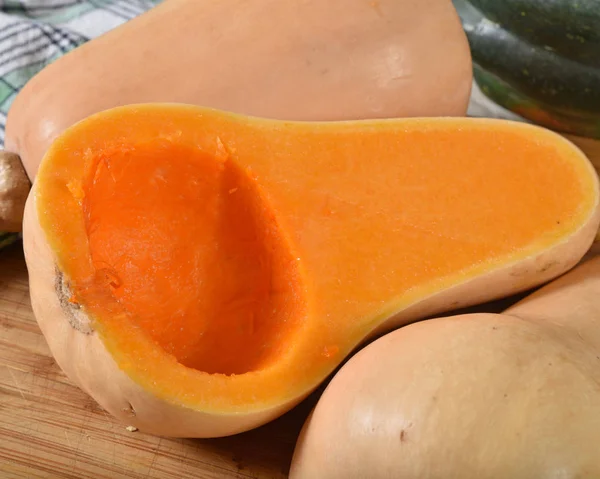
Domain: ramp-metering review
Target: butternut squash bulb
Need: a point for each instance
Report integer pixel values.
(482, 395)
(292, 60)
(199, 272)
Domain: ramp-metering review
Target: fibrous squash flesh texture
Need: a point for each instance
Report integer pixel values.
(203, 269)
(230, 263)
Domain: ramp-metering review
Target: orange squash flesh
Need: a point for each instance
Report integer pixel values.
(209, 258)
(230, 263)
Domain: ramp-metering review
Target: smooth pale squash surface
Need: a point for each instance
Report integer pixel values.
(230, 263)
(488, 396)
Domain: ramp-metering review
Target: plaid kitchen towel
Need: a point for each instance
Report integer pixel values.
(34, 33)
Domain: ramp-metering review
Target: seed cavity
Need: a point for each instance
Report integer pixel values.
(72, 309)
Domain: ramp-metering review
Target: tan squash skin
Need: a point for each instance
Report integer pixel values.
(303, 60)
(488, 396)
(85, 360)
(14, 188)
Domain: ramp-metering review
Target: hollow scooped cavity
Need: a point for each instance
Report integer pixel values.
(188, 246)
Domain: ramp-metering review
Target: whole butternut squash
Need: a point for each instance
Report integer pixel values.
(297, 60)
(199, 272)
(482, 395)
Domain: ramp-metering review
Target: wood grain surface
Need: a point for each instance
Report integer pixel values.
(51, 429)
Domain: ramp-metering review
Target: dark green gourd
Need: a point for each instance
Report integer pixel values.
(539, 59)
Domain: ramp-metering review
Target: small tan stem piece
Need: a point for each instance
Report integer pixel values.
(14, 188)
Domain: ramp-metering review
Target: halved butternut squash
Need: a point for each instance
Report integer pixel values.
(199, 272)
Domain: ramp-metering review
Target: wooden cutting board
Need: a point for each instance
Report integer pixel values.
(51, 429)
